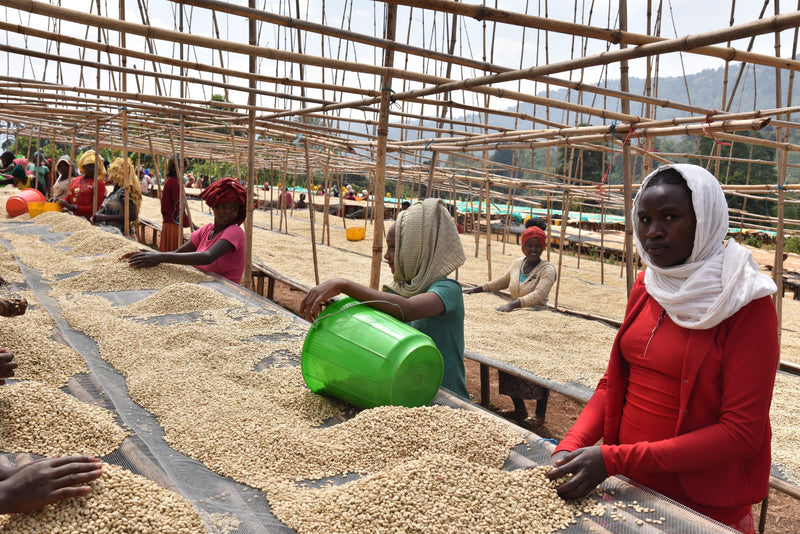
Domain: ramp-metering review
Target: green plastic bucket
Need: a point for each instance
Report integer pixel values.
(367, 358)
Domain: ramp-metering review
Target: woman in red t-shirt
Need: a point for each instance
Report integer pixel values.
(683, 407)
(81, 190)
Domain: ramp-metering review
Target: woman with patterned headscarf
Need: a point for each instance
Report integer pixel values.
(112, 213)
(683, 407)
(422, 249)
(81, 190)
(217, 247)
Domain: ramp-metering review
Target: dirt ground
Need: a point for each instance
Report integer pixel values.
(783, 511)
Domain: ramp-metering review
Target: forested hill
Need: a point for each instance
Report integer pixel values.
(702, 89)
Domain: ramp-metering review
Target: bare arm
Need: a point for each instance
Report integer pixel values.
(185, 255)
(406, 309)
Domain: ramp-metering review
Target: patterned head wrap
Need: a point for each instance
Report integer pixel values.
(227, 190)
(90, 158)
(427, 247)
(531, 232)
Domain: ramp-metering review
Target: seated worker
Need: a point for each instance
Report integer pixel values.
(18, 177)
(217, 247)
(40, 171)
(64, 175)
(111, 215)
(7, 162)
(529, 280)
(422, 248)
(301, 203)
(81, 190)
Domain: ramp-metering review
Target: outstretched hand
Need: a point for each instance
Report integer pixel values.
(7, 364)
(587, 467)
(471, 290)
(37, 484)
(129, 254)
(318, 297)
(143, 258)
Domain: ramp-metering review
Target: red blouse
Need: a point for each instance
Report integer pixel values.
(80, 193)
(716, 460)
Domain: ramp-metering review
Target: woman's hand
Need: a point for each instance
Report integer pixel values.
(37, 484)
(144, 258)
(67, 206)
(587, 467)
(471, 290)
(7, 364)
(129, 254)
(319, 296)
(99, 217)
(13, 307)
(510, 306)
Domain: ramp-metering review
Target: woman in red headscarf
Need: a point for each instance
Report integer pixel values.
(217, 247)
(529, 280)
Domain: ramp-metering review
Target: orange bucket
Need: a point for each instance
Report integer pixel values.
(356, 233)
(18, 204)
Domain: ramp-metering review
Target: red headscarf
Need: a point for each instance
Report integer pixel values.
(534, 231)
(227, 190)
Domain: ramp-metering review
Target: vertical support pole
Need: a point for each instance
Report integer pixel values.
(380, 162)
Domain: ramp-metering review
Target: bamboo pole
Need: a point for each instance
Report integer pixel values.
(126, 210)
(326, 216)
(247, 276)
(309, 189)
(488, 230)
(562, 240)
(155, 165)
(96, 169)
(626, 157)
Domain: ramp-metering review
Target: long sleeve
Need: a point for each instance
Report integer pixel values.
(542, 284)
(501, 283)
(747, 361)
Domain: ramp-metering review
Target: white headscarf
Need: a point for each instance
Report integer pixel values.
(717, 280)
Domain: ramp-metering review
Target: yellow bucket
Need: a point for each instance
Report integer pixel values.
(356, 233)
(37, 208)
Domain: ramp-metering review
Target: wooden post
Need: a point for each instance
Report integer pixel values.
(126, 210)
(97, 158)
(562, 240)
(602, 239)
(155, 165)
(488, 227)
(310, 203)
(247, 276)
(326, 216)
(625, 107)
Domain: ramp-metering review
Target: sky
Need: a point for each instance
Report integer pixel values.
(513, 48)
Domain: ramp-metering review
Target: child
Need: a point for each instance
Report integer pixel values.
(422, 248)
(217, 247)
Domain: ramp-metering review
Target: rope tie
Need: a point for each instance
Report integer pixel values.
(297, 139)
(548, 440)
(392, 99)
(426, 146)
(707, 130)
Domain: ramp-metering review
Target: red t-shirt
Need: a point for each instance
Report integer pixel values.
(230, 265)
(81, 192)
